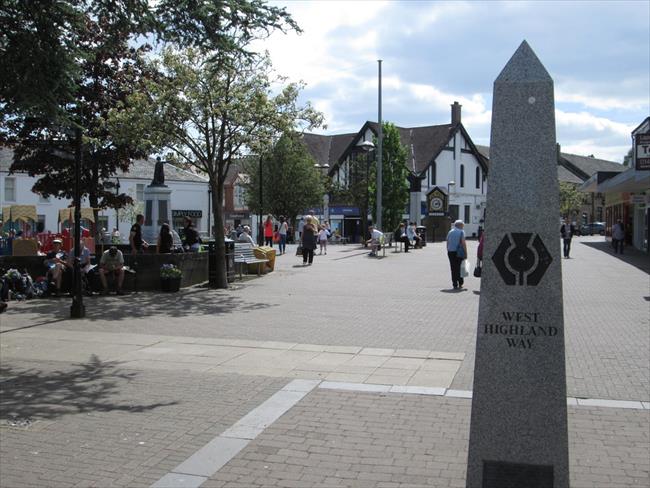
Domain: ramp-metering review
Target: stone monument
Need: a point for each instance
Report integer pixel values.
(157, 198)
(518, 434)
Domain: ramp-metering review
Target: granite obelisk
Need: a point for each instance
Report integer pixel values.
(518, 433)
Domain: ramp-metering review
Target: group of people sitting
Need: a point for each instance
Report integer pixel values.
(58, 263)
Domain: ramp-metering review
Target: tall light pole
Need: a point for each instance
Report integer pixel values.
(380, 142)
(367, 147)
(77, 309)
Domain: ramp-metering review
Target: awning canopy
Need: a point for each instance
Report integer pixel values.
(22, 212)
(68, 214)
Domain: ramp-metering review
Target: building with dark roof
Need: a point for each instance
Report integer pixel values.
(441, 158)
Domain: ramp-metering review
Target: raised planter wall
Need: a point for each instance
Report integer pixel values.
(193, 265)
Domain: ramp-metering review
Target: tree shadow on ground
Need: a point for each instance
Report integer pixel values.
(632, 256)
(191, 301)
(32, 394)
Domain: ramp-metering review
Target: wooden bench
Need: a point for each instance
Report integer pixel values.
(244, 255)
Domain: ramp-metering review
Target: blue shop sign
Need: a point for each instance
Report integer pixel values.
(344, 210)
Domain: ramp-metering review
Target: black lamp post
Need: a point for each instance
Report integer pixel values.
(260, 227)
(117, 207)
(209, 212)
(77, 309)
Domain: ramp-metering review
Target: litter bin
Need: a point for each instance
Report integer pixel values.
(421, 231)
(212, 260)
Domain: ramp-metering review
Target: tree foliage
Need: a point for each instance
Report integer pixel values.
(395, 189)
(109, 71)
(571, 200)
(209, 115)
(290, 182)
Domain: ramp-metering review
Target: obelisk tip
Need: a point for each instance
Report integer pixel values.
(524, 67)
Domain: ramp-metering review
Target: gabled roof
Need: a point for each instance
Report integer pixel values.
(423, 144)
(573, 168)
(140, 169)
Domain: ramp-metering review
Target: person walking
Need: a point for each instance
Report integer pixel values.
(138, 244)
(456, 252)
(618, 236)
(282, 231)
(566, 231)
(268, 231)
(192, 241)
(308, 241)
(322, 239)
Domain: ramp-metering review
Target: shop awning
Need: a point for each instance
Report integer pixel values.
(68, 214)
(23, 212)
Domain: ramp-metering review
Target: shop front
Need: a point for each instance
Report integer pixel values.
(178, 219)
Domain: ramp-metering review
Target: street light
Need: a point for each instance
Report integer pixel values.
(368, 147)
(209, 212)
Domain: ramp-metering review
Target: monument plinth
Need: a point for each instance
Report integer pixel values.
(157, 197)
(518, 433)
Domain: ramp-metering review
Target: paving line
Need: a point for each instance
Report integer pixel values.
(421, 390)
(196, 469)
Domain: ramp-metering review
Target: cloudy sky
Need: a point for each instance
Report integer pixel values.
(433, 53)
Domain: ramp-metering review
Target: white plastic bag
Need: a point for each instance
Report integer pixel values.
(465, 267)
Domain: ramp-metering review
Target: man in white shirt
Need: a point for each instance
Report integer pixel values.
(375, 240)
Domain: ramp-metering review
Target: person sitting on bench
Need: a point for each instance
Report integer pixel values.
(55, 260)
(401, 236)
(413, 236)
(112, 261)
(375, 240)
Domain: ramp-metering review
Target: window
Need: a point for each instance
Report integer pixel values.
(462, 176)
(10, 189)
(466, 217)
(139, 192)
(432, 174)
(453, 212)
(239, 197)
(599, 214)
(478, 177)
(40, 225)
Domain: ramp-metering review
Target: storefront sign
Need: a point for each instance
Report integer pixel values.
(194, 214)
(343, 210)
(642, 152)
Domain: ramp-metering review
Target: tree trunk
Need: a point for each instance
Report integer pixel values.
(217, 211)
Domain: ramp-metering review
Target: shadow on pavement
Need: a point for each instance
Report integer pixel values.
(632, 256)
(31, 394)
(188, 302)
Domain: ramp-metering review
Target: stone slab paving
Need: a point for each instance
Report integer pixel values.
(345, 438)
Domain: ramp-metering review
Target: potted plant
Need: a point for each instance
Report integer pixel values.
(170, 277)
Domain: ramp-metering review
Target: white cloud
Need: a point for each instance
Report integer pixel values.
(585, 121)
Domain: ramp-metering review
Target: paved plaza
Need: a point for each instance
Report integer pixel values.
(352, 372)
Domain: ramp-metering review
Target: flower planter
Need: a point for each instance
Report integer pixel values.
(170, 284)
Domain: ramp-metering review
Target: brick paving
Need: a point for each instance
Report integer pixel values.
(97, 423)
(335, 438)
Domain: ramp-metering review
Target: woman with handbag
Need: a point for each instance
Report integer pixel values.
(479, 257)
(456, 251)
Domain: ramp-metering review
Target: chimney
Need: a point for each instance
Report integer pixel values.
(455, 113)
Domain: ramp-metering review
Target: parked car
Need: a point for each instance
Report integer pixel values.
(593, 228)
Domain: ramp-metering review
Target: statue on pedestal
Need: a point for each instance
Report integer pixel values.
(158, 174)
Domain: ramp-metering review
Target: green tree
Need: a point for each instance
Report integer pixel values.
(209, 114)
(571, 200)
(628, 159)
(109, 71)
(395, 189)
(290, 182)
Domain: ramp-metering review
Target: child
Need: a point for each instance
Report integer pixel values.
(322, 239)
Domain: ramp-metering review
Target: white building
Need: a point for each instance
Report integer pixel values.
(189, 196)
(439, 156)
